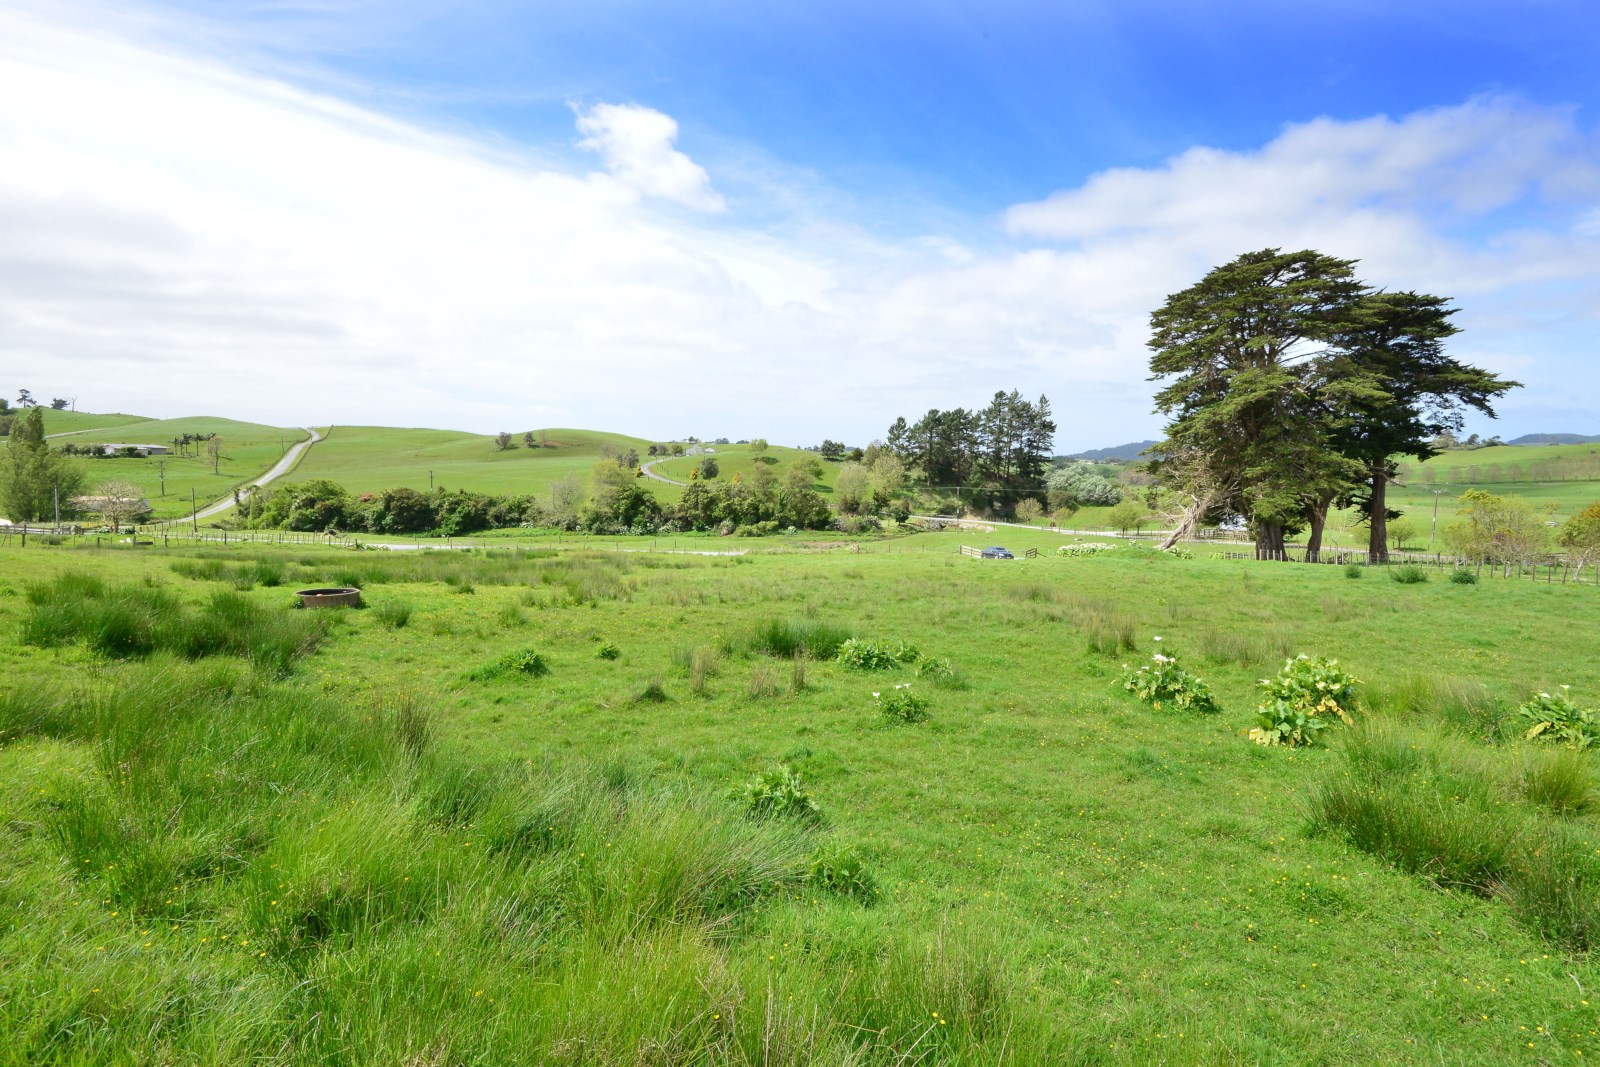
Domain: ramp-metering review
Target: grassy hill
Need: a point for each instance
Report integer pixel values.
(64, 422)
(248, 450)
(370, 459)
(461, 861)
(736, 459)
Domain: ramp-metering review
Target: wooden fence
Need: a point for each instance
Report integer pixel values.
(1547, 569)
(977, 553)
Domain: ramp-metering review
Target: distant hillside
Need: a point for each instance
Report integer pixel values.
(1121, 453)
(1554, 439)
(370, 459)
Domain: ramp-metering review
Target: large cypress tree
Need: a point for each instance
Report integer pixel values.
(1243, 352)
(1397, 341)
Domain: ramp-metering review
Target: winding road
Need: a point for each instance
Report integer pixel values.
(278, 470)
(649, 472)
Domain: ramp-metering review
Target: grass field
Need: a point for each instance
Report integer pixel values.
(369, 459)
(248, 450)
(73, 422)
(736, 459)
(445, 855)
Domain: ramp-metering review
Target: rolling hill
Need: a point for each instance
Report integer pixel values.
(370, 459)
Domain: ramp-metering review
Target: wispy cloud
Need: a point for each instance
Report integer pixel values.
(635, 143)
(183, 233)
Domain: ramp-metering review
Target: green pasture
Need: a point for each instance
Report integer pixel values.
(248, 451)
(73, 422)
(736, 459)
(410, 849)
(370, 459)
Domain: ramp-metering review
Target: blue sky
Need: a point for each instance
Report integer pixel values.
(791, 219)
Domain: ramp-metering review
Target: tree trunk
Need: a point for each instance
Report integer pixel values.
(1378, 520)
(1189, 519)
(1317, 512)
(1269, 540)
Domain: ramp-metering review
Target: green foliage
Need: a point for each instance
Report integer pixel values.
(608, 651)
(863, 654)
(1082, 484)
(1579, 536)
(1438, 808)
(901, 705)
(1085, 548)
(1162, 682)
(779, 792)
(31, 473)
(1554, 717)
(1559, 780)
(941, 672)
(652, 692)
(785, 638)
(1354, 570)
(1462, 576)
(1109, 632)
(1465, 705)
(1496, 529)
(840, 869)
(522, 662)
(129, 621)
(1129, 515)
(1408, 574)
(1302, 700)
(394, 614)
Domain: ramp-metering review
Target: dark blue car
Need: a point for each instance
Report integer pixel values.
(996, 552)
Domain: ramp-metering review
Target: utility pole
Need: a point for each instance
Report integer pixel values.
(1437, 493)
(430, 481)
(161, 465)
(55, 493)
(194, 512)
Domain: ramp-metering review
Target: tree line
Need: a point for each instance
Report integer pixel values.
(1000, 452)
(617, 504)
(1292, 387)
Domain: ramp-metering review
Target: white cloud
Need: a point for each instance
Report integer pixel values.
(635, 144)
(182, 235)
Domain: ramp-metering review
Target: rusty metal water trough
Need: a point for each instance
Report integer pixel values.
(331, 597)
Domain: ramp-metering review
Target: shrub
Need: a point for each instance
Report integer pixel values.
(1447, 810)
(524, 661)
(704, 662)
(839, 869)
(905, 653)
(1301, 701)
(860, 654)
(1162, 681)
(608, 651)
(1110, 633)
(393, 613)
(1557, 718)
(941, 672)
(1466, 705)
(763, 681)
(1408, 574)
(901, 705)
(1558, 780)
(1246, 649)
(1462, 576)
(653, 692)
(785, 637)
(1353, 570)
(1085, 548)
(779, 791)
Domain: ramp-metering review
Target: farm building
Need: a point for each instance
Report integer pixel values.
(120, 448)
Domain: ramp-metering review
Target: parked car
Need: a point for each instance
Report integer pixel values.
(996, 552)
